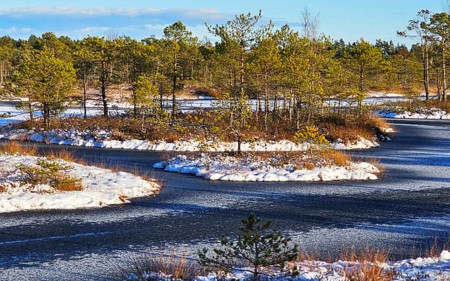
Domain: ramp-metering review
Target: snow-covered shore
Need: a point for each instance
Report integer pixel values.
(228, 168)
(432, 113)
(103, 139)
(425, 269)
(100, 187)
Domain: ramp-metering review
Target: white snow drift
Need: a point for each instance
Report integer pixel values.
(421, 113)
(103, 139)
(427, 269)
(101, 187)
(227, 168)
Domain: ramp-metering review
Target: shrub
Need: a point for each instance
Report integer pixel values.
(313, 136)
(51, 173)
(367, 266)
(256, 245)
(14, 148)
(178, 268)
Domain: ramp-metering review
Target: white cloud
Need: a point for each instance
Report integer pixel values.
(13, 29)
(204, 13)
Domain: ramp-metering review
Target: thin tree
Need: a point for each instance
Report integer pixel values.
(243, 31)
(440, 27)
(420, 29)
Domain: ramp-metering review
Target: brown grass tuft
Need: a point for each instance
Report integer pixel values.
(16, 148)
(65, 155)
(377, 164)
(367, 265)
(337, 157)
(179, 268)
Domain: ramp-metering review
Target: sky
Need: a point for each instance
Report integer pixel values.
(346, 19)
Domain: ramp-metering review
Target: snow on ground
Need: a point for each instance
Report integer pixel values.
(425, 269)
(228, 168)
(103, 139)
(422, 113)
(101, 187)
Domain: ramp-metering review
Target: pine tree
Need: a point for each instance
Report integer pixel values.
(48, 80)
(242, 30)
(440, 27)
(257, 245)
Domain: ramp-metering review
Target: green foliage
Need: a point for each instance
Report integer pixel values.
(257, 246)
(146, 92)
(312, 136)
(47, 80)
(290, 74)
(51, 173)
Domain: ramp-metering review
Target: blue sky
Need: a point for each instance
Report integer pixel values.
(347, 19)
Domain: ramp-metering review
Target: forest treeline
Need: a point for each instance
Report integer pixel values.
(249, 60)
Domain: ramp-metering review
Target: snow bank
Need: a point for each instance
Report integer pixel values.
(227, 168)
(422, 113)
(100, 187)
(103, 139)
(429, 269)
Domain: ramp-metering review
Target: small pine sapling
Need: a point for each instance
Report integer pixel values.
(257, 245)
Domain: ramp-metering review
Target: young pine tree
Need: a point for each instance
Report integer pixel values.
(48, 80)
(257, 245)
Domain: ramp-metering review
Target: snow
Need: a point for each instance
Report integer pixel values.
(421, 113)
(228, 168)
(101, 187)
(102, 139)
(426, 269)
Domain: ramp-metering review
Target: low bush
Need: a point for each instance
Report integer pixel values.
(50, 173)
(161, 267)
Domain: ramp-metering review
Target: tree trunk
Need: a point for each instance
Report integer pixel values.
(438, 84)
(30, 110)
(84, 96)
(444, 79)
(1, 72)
(174, 86)
(266, 98)
(135, 111)
(242, 93)
(103, 78)
(426, 76)
(361, 78)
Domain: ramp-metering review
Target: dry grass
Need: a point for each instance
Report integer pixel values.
(367, 265)
(336, 157)
(377, 122)
(377, 164)
(66, 155)
(179, 268)
(2, 189)
(348, 133)
(15, 148)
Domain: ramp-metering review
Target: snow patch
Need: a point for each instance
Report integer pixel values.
(103, 139)
(429, 269)
(101, 187)
(228, 168)
(421, 113)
